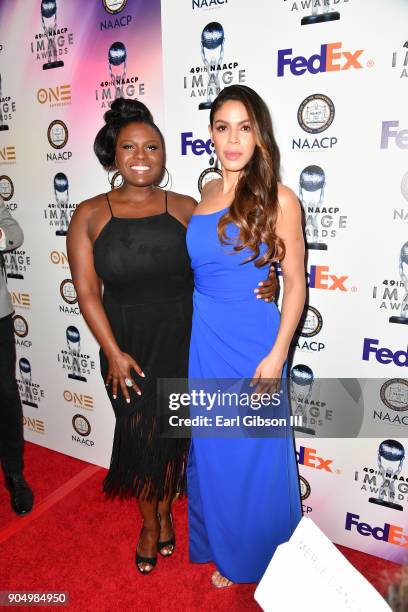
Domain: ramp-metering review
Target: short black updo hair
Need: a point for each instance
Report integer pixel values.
(122, 112)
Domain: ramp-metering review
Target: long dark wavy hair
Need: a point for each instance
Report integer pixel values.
(254, 209)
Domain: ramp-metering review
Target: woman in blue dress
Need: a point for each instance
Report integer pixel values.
(243, 493)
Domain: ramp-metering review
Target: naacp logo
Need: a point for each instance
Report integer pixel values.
(57, 134)
(305, 488)
(312, 324)
(114, 6)
(20, 326)
(402, 213)
(316, 113)
(208, 4)
(6, 187)
(394, 394)
(68, 292)
(404, 186)
(207, 175)
(81, 425)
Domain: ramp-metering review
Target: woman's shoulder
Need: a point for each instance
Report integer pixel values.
(210, 186)
(181, 198)
(182, 203)
(92, 205)
(287, 198)
(285, 193)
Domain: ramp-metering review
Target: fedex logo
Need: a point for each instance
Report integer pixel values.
(197, 146)
(387, 133)
(388, 533)
(384, 355)
(307, 456)
(319, 278)
(330, 59)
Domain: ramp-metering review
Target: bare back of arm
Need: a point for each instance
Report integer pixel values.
(86, 224)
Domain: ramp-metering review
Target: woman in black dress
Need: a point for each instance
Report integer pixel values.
(132, 240)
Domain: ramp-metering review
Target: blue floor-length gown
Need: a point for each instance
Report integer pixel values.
(243, 494)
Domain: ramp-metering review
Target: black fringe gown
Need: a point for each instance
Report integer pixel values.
(148, 284)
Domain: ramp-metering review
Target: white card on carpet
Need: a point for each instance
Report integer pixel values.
(309, 573)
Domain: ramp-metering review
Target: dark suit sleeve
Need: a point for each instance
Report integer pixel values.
(12, 230)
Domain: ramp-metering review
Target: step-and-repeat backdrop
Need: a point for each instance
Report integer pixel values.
(334, 75)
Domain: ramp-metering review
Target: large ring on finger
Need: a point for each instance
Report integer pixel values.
(128, 382)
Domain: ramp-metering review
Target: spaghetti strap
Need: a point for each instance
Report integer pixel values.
(165, 199)
(110, 207)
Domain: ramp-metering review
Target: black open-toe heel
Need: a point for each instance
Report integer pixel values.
(170, 542)
(150, 560)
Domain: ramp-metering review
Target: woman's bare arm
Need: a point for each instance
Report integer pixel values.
(87, 284)
(289, 229)
(88, 287)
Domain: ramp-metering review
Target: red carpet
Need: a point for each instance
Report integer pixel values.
(75, 541)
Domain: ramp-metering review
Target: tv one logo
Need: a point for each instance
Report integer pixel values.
(20, 300)
(387, 533)
(330, 59)
(384, 355)
(54, 95)
(34, 424)
(389, 132)
(79, 399)
(58, 258)
(7, 154)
